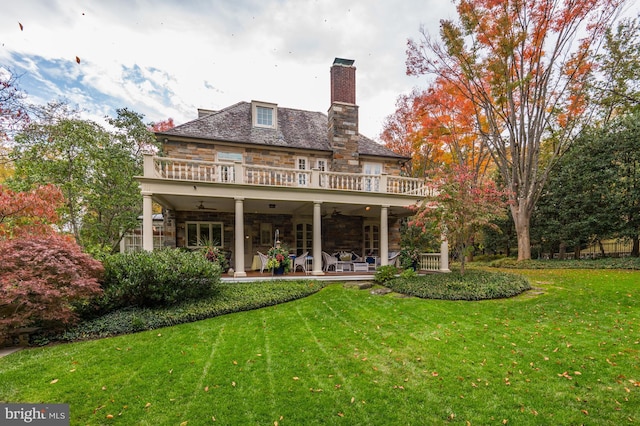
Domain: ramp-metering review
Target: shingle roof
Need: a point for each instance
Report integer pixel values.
(296, 129)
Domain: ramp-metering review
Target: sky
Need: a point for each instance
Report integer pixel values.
(167, 58)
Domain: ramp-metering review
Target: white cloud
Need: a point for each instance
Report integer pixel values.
(165, 58)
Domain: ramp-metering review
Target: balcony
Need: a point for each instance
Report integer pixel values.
(175, 169)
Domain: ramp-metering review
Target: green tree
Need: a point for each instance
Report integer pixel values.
(93, 167)
(594, 193)
(615, 88)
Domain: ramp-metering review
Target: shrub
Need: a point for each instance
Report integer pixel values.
(473, 285)
(603, 263)
(159, 278)
(385, 273)
(40, 277)
(229, 298)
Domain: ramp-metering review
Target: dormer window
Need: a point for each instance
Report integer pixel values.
(264, 114)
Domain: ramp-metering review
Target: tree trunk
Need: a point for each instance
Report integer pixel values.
(635, 250)
(562, 251)
(521, 219)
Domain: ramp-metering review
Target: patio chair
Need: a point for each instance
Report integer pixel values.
(301, 261)
(263, 261)
(393, 257)
(329, 261)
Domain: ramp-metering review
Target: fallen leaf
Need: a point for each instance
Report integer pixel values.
(72, 370)
(235, 362)
(233, 384)
(147, 405)
(206, 388)
(109, 416)
(353, 399)
(53, 381)
(296, 378)
(341, 414)
(183, 423)
(585, 412)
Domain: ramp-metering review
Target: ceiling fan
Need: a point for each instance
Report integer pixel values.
(202, 207)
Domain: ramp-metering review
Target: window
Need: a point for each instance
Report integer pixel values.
(304, 237)
(301, 164)
(266, 234)
(321, 164)
(371, 234)
(230, 156)
(371, 183)
(204, 233)
(264, 116)
(226, 173)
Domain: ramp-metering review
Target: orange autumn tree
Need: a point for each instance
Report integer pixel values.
(437, 128)
(524, 66)
(404, 134)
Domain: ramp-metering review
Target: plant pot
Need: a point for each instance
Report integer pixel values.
(279, 270)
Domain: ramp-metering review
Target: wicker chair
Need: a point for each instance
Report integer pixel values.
(263, 261)
(301, 261)
(329, 261)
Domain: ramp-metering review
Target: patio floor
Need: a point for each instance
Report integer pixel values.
(328, 276)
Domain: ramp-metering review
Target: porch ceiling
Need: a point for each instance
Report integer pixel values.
(298, 208)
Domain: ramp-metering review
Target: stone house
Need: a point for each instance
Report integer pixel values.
(255, 172)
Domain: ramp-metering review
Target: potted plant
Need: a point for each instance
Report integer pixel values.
(279, 261)
(215, 254)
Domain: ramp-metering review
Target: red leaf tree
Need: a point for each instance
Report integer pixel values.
(40, 277)
(41, 271)
(29, 213)
(463, 205)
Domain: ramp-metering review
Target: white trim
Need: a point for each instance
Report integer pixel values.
(198, 225)
(254, 114)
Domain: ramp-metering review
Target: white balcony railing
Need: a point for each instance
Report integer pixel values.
(429, 262)
(238, 173)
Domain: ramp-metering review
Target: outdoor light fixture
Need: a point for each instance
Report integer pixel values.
(367, 208)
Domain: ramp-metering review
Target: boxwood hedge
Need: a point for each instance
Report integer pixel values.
(473, 285)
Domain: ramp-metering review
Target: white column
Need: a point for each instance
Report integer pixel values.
(147, 222)
(317, 238)
(444, 254)
(384, 235)
(239, 233)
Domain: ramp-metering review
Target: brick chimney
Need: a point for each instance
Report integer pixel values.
(343, 117)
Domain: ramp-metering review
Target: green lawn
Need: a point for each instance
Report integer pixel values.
(567, 353)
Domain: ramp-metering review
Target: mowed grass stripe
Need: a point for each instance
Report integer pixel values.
(570, 355)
